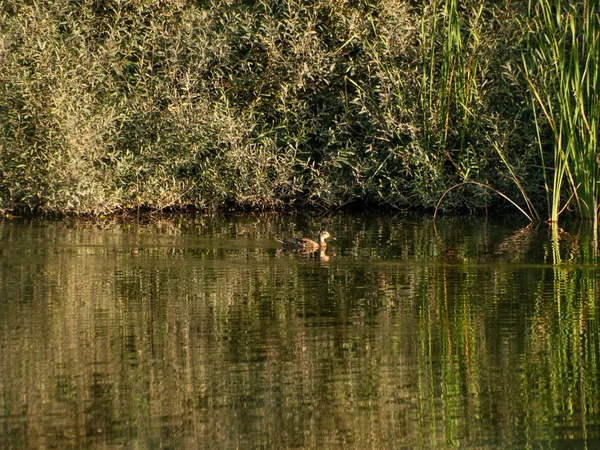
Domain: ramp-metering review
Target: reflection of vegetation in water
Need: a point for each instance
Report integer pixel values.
(542, 366)
(184, 342)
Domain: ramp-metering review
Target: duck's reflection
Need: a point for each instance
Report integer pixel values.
(322, 254)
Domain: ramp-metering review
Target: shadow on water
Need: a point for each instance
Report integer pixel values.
(197, 332)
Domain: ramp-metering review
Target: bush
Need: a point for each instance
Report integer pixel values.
(263, 104)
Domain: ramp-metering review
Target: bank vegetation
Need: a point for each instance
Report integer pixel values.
(128, 105)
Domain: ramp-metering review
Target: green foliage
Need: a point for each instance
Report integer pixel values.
(126, 105)
(561, 65)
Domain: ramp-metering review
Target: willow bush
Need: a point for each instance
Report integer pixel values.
(115, 105)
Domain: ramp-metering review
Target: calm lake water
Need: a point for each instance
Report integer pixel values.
(199, 332)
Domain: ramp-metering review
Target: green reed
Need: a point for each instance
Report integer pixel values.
(449, 73)
(462, 92)
(561, 66)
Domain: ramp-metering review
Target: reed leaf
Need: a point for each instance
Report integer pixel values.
(560, 65)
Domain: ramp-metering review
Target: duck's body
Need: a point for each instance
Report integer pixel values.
(308, 244)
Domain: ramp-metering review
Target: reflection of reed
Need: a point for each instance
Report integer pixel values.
(231, 348)
(569, 245)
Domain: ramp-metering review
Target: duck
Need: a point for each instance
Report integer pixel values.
(307, 243)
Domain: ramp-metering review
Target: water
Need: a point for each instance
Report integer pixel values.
(199, 332)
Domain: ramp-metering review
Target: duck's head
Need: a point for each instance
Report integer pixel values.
(323, 235)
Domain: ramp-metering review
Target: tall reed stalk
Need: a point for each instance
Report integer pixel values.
(458, 79)
(561, 65)
(450, 89)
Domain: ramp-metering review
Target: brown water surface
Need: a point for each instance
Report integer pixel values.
(200, 332)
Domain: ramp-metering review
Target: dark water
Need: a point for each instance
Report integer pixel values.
(200, 332)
